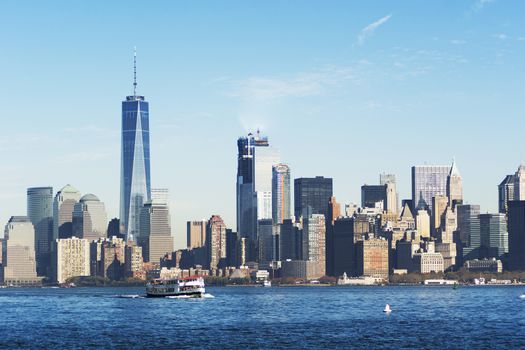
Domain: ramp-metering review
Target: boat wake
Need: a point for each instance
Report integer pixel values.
(130, 296)
(206, 296)
(522, 296)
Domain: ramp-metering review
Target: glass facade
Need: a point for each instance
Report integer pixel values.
(494, 235)
(428, 181)
(40, 212)
(254, 183)
(312, 195)
(135, 183)
(280, 193)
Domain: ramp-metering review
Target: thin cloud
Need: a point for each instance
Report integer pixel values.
(480, 4)
(302, 85)
(369, 30)
(458, 42)
(500, 36)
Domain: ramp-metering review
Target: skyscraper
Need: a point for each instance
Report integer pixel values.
(135, 183)
(18, 252)
(216, 242)
(469, 230)
(372, 194)
(280, 193)
(494, 235)
(505, 193)
(89, 218)
(195, 234)
(63, 207)
(343, 247)
(428, 181)
(516, 235)
(454, 186)
(254, 183)
(314, 241)
(519, 183)
(155, 229)
(40, 212)
(311, 195)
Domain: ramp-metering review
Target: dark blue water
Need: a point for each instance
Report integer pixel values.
(266, 318)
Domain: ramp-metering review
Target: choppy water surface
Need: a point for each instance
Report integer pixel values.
(266, 318)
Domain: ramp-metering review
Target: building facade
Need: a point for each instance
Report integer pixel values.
(494, 238)
(314, 241)
(281, 197)
(216, 242)
(155, 234)
(195, 234)
(63, 207)
(372, 258)
(255, 161)
(311, 195)
(90, 220)
(516, 227)
(73, 258)
(135, 174)
(18, 253)
(40, 212)
(429, 181)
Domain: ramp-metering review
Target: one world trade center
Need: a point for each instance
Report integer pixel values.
(135, 183)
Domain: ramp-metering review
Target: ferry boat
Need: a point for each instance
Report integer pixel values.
(190, 286)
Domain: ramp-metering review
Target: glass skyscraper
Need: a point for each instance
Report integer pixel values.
(254, 183)
(428, 181)
(281, 209)
(40, 212)
(311, 195)
(135, 180)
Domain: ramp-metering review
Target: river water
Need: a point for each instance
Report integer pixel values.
(266, 318)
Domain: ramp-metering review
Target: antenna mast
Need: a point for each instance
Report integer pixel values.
(135, 72)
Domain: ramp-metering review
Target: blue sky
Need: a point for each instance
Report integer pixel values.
(346, 89)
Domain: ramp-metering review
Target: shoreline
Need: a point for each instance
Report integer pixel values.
(460, 285)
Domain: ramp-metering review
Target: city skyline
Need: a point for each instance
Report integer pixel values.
(60, 138)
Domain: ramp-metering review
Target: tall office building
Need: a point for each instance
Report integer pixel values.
(314, 241)
(40, 212)
(73, 258)
(454, 186)
(135, 178)
(372, 194)
(468, 226)
(494, 235)
(334, 212)
(155, 229)
(89, 218)
(439, 207)
(254, 183)
(423, 223)
(343, 247)
(63, 207)
(428, 181)
(311, 195)
(372, 258)
(281, 202)
(516, 227)
(216, 242)
(519, 184)
(195, 234)
(505, 193)
(18, 252)
(290, 246)
(267, 243)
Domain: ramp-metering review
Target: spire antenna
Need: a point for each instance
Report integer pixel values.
(135, 72)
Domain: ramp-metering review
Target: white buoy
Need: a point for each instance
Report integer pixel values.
(387, 309)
